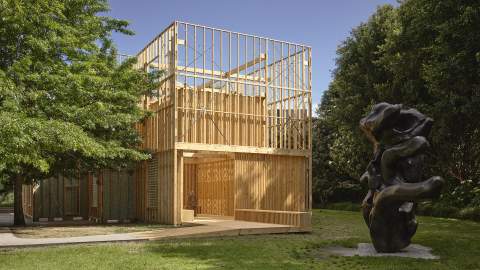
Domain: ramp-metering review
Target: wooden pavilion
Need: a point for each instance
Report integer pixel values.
(230, 135)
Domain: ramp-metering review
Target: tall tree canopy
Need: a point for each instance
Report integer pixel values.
(423, 54)
(65, 101)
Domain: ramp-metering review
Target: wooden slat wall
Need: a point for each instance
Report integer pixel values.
(152, 182)
(221, 118)
(215, 185)
(83, 196)
(166, 187)
(161, 208)
(71, 196)
(95, 211)
(278, 184)
(140, 190)
(157, 130)
(299, 219)
(118, 201)
(48, 198)
(61, 197)
(270, 182)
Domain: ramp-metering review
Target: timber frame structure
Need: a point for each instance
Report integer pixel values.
(230, 135)
(231, 128)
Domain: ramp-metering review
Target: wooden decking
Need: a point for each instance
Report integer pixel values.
(204, 227)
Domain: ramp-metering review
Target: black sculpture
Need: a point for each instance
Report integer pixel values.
(394, 174)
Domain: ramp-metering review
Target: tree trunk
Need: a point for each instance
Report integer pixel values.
(18, 217)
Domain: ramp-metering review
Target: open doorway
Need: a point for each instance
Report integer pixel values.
(208, 184)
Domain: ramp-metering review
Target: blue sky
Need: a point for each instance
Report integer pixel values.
(321, 24)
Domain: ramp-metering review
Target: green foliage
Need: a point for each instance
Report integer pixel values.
(472, 213)
(6, 199)
(65, 101)
(444, 209)
(424, 54)
(437, 209)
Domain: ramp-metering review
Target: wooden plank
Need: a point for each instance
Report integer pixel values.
(219, 123)
(106, 195)
(271, 183)
(215, 190)
(241, 149)
(297, 219)
(84, 196)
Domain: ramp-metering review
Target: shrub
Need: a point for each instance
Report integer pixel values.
(471, 213)
(344, 206)
(6, 200)
(423, 209)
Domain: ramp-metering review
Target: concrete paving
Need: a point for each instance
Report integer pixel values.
(367, 250)
(201, 227)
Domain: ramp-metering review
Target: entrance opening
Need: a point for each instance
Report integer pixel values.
(208, 185)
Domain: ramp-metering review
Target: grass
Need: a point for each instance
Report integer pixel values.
(457, 242)
(70, 231)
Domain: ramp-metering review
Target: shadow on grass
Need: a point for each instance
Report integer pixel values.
(457, 243)
(243, 252)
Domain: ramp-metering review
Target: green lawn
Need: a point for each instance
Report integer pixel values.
(457, 242)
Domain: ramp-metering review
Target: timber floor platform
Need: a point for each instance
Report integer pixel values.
(206, 227)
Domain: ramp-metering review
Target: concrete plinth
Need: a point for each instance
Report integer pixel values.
(367, 250)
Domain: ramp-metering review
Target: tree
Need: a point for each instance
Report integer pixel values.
(339, 155)
(66, 104)
(423, 54)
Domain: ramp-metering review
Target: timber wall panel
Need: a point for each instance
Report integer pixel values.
(157, 130)
(48, 198)
(152, 182)
(215, 185)
(140, 190)
(166, 187)
(83, 196)
(71, 196)
(220, 118)
(155, 188)
(94, 195)
(299, 219)
(270, 182)
(276, 185)
(61, 197)
(118, 197)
